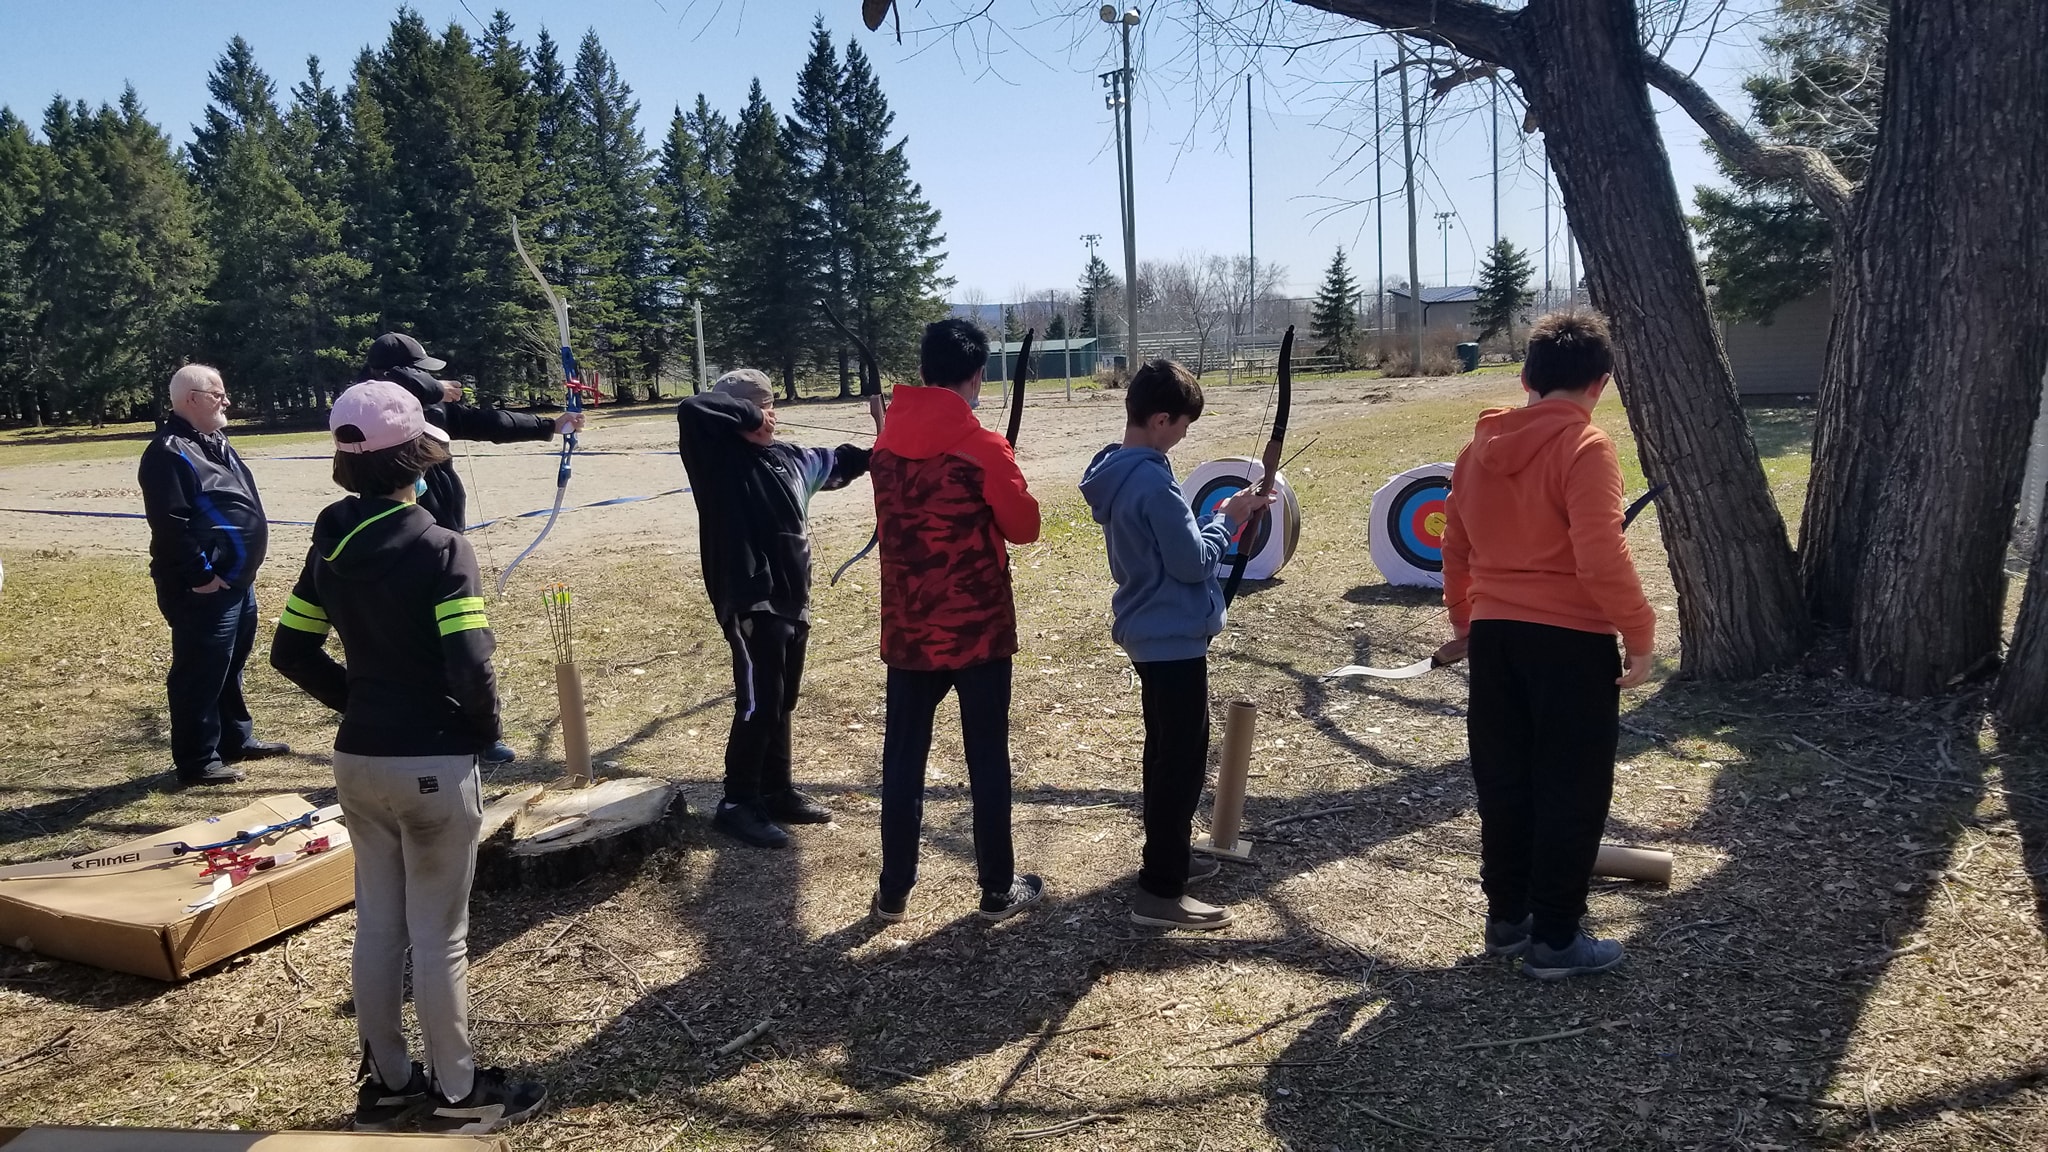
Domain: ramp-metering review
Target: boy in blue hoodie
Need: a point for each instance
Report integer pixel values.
(1168, 604)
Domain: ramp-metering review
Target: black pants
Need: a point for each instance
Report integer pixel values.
(1175, 695)
(211, 634)
(767, 668)
(1542, 725)
(985, 732)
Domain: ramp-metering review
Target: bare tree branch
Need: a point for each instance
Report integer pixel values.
(1824, 183)
(1478, 30)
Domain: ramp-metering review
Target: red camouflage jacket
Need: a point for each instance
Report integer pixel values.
(948, 495)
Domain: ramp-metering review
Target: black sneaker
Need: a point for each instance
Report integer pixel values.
(499, 753)
(1509, 937)
(1025, 891)
(793, 807)
(749, 825)
(381, 1108)
(1582, 957)
(890, 911)
(255, 750)
(214, 773)
(494, 1102)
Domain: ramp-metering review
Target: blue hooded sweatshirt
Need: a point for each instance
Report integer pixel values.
(1168, 602)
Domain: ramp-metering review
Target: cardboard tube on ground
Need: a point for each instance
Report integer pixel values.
(575, 733)
(1622, 862)
(1240, 722)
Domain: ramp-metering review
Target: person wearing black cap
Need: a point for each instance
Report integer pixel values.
(402, 360)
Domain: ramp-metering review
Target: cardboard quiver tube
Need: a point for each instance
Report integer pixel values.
(1240, 723)
(1624, 862)
(575, 730)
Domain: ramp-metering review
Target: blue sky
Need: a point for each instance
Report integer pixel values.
(1007, 129)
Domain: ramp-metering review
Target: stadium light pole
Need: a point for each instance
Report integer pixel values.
(1125, 22)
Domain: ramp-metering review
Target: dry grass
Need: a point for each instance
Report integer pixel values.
(1851, 955)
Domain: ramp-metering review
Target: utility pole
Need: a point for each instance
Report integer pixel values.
(1493, 122)
(697, 309)
(1408, 160)
(1125, 90)
(1379, 199)
(1443, 226)
(1251, 221)
(1091, 239)
(1571, 265)
(1546, 231)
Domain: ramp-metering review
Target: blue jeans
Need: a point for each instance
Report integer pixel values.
(985, 733)
(211, 634)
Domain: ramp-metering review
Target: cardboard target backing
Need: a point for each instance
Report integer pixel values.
(1407, 527)
(1210, 484)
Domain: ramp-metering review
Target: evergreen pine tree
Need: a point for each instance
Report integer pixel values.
(21, 160)
(1056, 328)
(1013, 328)
(1504, 294)
(1333, 322)
(818, 132)
(244, 104)
(893, 237)
(688, 193)
(1096, 283)
(762, 307)
(114, 263)
(617, 291)
(714, 136)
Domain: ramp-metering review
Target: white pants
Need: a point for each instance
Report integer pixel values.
(412, 821)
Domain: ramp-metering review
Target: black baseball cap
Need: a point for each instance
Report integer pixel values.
(397, 350)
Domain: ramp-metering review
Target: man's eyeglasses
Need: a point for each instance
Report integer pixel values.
(216, 397)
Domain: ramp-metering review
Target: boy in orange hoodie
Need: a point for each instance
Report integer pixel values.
(1538, 579)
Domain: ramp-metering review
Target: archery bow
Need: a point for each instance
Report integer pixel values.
(1017, 387)
(1248, 535)
(870, 387)
(574, 403)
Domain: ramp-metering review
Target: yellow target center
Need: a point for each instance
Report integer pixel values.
(1434, 525)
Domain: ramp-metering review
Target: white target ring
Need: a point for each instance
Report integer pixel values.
(1406, 528)
(1209, 485)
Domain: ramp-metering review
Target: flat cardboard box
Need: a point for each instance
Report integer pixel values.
(136, 921)
(168, 1140)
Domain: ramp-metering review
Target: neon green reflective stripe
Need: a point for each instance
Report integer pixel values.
(293, 620)
(304, 608)
(365, 524)
(463, 623)
(458, 606)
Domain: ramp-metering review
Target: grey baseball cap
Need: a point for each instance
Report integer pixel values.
(747, 384)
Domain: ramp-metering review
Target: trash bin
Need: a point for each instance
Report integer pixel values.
(1468, 357)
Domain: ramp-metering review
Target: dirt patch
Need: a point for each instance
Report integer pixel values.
(1851, 954)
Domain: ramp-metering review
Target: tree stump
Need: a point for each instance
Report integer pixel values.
(554, 837)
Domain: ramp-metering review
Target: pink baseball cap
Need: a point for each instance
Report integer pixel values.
(376, 415)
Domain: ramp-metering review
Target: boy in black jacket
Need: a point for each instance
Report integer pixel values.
(418, 702)
(753, 495)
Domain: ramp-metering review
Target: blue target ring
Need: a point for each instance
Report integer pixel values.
(1415, 522)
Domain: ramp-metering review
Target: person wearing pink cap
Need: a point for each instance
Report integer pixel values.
(418, 703)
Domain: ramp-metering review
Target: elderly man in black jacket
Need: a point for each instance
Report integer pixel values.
(207, 537)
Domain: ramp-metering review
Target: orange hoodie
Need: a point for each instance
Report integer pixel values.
(1533, 527)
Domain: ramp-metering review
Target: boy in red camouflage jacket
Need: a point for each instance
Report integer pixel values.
(949, 497)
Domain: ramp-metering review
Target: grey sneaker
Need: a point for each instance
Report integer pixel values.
(890, 911)
(1582, 957)
(1508, 937)
(1202, 867)
(1025, 891)
(1185, 912)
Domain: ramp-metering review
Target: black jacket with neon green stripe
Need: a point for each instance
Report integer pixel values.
(405, 596)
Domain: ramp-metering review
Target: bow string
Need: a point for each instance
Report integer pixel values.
(871, 388)
(575, 389)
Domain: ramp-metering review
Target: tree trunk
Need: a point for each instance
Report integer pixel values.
(1740, 612)
(1937, 349)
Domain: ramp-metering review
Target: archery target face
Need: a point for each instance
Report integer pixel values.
(1407, 526)
(1210, 484)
